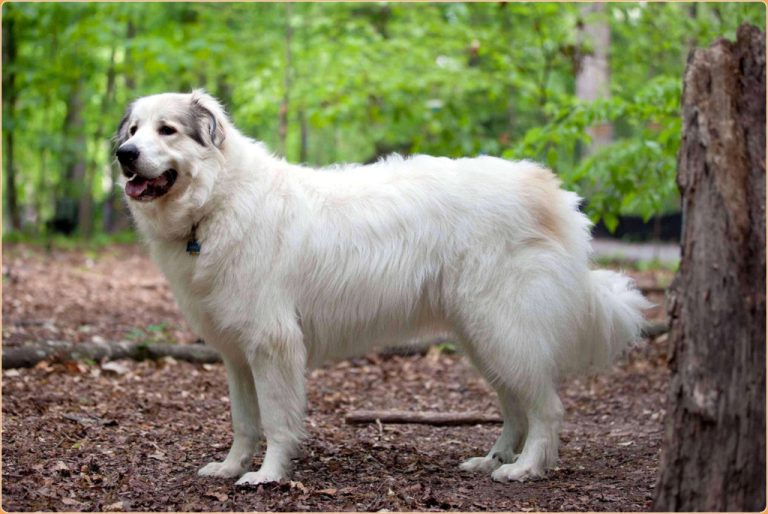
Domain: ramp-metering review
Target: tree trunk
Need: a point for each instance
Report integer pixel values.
(9, 95)
(714, 445)
(107, 101)
(304, 143)
(593, 80)
(287, 78)
(116, 215)
(85, 206)
(130, 35)
(70, 204)
(224, 90)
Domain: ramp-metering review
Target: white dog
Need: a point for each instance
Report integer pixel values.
(281, 267)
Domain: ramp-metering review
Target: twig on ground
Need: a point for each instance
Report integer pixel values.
(421, 418)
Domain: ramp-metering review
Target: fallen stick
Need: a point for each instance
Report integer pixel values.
(414, 347)
(648, 289)
(62, 351)
(444, 419)
(655, 330)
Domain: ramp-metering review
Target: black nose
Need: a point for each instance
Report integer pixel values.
(127, 154)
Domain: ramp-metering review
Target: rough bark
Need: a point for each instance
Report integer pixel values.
(714, 449)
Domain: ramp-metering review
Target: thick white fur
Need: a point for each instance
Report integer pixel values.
(300, 265)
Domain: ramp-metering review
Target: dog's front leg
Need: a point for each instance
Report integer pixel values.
(246, 421)
(279, 379)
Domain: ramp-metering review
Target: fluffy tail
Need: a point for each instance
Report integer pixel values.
(615, 318)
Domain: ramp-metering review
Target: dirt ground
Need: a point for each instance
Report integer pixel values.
(86, 436)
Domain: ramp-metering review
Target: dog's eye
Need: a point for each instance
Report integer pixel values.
(165, 130)
(133, 130)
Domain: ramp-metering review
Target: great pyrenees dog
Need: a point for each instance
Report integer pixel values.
(281, 267)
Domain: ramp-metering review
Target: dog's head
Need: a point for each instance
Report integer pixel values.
(166, 141)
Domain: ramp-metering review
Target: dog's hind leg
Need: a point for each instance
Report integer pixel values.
(246, 422)
(545, 413)
(510, 338)
(279, 379)
(523, 374)
(510, 442)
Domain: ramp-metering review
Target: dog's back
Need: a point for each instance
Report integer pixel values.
(391, 246)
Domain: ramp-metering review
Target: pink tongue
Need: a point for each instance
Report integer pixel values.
(136, 186)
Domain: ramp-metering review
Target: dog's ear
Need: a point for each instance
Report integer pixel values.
(209, 119)
(121, 136)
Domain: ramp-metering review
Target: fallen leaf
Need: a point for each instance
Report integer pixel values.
(60, 466)
(75, 367)
(222, 497)
(115, 367)
(298, 485)
(43, 365)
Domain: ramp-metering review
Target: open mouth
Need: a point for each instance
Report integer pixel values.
(146, 189)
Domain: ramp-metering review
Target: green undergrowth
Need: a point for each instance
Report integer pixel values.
(98, 241)
(636, 264)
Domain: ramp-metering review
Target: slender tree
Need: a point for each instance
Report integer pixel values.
(70, 202)
(593, 80)
(287, 79)
(116, 216)
(9, 118)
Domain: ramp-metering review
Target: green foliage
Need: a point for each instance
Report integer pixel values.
(152, 334)
(95, 243)
(356, 80)
(634, 174)
(623, 263)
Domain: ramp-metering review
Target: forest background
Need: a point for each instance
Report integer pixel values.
(592, 90)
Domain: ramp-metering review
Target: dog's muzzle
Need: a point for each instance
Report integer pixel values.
(146, 189)
(139, 187)
(127, 156)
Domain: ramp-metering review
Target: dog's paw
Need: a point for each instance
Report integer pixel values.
(259, 477)
(517, 471)
(220, 470)
(482, 464)
(490, 462)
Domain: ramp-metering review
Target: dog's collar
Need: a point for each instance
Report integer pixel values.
(193, 245)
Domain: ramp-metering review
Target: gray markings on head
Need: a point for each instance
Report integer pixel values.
(203, 126)
(122, 128)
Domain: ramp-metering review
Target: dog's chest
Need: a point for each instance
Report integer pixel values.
(189, 283)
